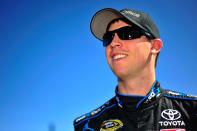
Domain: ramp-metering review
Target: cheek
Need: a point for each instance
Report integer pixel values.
(107, 53)
(144, 52)
(140, 51)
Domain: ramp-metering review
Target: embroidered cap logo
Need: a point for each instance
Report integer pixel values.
(131, 12)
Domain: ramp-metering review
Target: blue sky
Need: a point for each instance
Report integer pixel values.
(53, 70)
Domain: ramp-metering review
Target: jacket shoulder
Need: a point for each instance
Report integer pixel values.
(95, 113)
(179, 95)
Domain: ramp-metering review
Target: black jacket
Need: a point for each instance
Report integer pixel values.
(160, 110)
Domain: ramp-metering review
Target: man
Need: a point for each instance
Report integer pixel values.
(132, 44)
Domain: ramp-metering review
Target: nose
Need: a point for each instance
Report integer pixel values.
(116, 42)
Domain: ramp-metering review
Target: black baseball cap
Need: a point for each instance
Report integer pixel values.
(102, 18)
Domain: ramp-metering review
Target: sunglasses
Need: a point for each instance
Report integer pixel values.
(125, 33)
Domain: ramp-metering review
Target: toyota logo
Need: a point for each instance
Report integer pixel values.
(171, 114)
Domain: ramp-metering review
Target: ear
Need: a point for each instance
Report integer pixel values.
(156, 46)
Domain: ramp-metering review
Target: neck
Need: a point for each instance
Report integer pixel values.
(139, 85)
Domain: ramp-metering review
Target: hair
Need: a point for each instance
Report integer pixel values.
(130, 23)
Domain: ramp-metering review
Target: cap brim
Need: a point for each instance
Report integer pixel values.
(101, 20)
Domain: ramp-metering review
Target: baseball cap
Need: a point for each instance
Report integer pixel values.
(103, 17)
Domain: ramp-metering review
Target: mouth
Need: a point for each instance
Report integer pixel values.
(118, 56)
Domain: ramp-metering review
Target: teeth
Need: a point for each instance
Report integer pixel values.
(119, 56)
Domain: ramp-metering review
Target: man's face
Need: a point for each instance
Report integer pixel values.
(128, 58)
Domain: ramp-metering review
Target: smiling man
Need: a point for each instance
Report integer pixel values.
(132, 45)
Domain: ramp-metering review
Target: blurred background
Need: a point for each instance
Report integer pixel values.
(53, 70)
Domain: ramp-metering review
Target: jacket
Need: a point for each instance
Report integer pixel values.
(160, 110)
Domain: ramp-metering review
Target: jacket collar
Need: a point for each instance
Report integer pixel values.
(125, 101)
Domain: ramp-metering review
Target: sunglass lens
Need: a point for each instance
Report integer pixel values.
(107, 38)
(128, 33)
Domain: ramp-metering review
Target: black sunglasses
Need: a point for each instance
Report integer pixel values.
(125, 33)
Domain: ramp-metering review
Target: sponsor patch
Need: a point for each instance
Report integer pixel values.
(172, 130)
(111, 125)
(81, 117)
(171, 114)
(171, 117)
(94, 112)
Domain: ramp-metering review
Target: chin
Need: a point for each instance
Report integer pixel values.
(120, 74)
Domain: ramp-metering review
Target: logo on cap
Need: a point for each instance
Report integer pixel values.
(131, 12)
